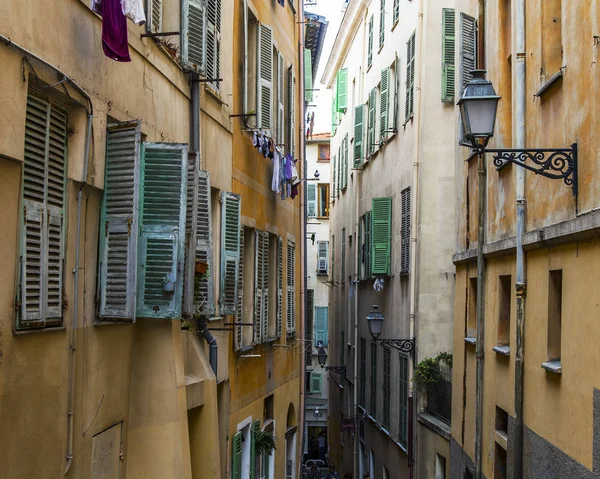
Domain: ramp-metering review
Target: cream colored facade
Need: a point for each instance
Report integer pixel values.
(560, 386)
(145, 400)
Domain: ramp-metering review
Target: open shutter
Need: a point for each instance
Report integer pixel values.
(387, 389)
(333, 113)
(342, 90)
(254, 459)
(371, 124)
(265, 77)
(236, 456)
(373, 398)
(315, 383)
(384, 103)
(279, 318)
(410, 78)
(332, 258)
(191, 226)
(280, 103)
(405, 232)
(322, 261)
(308, 76)
(448, 37)
(231, 208)
(119, 223)
(265, 286)
(154, 17)
(359, 261)
(311, 198)
(334, 191)
(381, 23)
(321, 326)
(359, 113)
(163, 203)
(292, 110)
(370, 45)
(369, 242)
(239, 330)
(193, 35)
(343, 265)
(291, 289)
(213, 40)
(396, 13)
(403, 400)
(468, 45)
(204, 293)
(261, 287)
(346, 160)
(381, 231)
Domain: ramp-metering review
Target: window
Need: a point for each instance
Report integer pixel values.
(230, 251)
(387, 386)
(261, 286)
(396, 13)
(322, 257)
(403, 437)
(321, 313)
(405, 232)
(324, 152)
(43, 228)
(291, 289)
(372, 105)
(342, 90)
(502, 422)
(340, 169)
(552, 50)
(472, 309)
(311, 200)
(365, 254)
(373, 397)
(410, 79)
(362, 373)
(554, 315)
(468, 46)
(251, 81)
(504, 308)
(343, 255)
(440, 467)
(448, 48)
(359, 113)
(292, 111)
(381, 23)
(381, 230)
(315, 383)
(370, 44)
(323, 200)
(308, 327)
(384, 103)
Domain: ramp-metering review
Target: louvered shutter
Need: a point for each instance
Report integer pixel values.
(448, 76)
(204, 293)
(193, 35)
(239, 330)
(381, 23)
(410, 79)
(191, 226)
(396, 83)
(42, 236)
(384, 103)
(468, 45)
(323, 247)
(342, 90)
(371, 121)
(258, 287)
(254, 459)
(387, 387)
(359, 113)
(292, 110)
(359, 273)
(321, 326)
(280, 103)
(291, 289)
(154, 18)
(334, 175)
(230, 251)
(333, 113)
(265, 77)
(279, 318)
(315, 383)
(405, 232)
(341, 348)
(396, 13)
(362, 389)
(236, 454)
(340, 167)
(370, 45)
(162, 237)
(373, 398)
(343, 267)
(369, 242)
(346, 160)
(119, 223)
(265, 286)
(381, 231)
(332, 258)
(213, 40)
(311, 199)
(308, 327)
(308, 76)
(403, 400)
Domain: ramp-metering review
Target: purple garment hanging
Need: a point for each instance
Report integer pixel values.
(114, 31)
(288, 167)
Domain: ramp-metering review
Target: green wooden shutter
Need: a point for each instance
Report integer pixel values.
(161, 242)
(373, 397)
(254, 459)
(340, 167)
(387, 386)
(239, 330)
(236, 456)
(396, 13)
(193, 35)
(384, 101)
(231, 206)
(280, 103)
(468, 47)
(370, 45)
(405, 232)
(381, 231)
(368, 244)
(204, 294)
(315, 383)
(359, 256)
(308, 77)
(403, 400)
(362, 388)
(371, 122)
(279, 318)
(292, 110)
(342, 90)
(265, 77)
(191, 226)
(396, 93)
(308, 327)
(213, 41)
(359, 113)
(381, 23)
(119, 223)
(311, 199)
(321, 313)
(448, 68)
(291, 288)
(342, 347)
(410, 79)
(345, 173)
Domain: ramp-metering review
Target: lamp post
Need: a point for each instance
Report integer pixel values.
(375, 320)
(322, 357)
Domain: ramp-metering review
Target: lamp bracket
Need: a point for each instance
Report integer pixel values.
(404, 345)
(341, 370)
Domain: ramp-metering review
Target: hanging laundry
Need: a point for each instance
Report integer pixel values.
(276, 181)
(294, 191)
(134, 10)
(295, 178)
(255, 140)
(378, 285)
(281, 2)
(96, 6)
(288, 167)
(114, 31)
(282, 181)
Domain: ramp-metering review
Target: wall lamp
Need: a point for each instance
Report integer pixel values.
(322, 357)
(375, 320)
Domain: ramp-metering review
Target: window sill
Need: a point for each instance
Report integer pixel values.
(324, 160)
(554, 367)
(25, 332)
(436, 425)
(322, 217)
(380, 48)
(502, 439)
(554, 79)
(319, 273)
(213, 93)
(502, 350)
(471, 340)
(395, 24)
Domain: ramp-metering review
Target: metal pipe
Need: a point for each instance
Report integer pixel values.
(245, 66)
(520, 283)
(212, 344)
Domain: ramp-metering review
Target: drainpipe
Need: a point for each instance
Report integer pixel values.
(521, 209)
(212, 343)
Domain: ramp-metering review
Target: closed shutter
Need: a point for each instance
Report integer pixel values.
(371, 122)
(163, 200)
(403, 439)
(387, 387)
(193, 171)
(236, 454)
(322, 258)
(119, 223)
(359, 273)
(154, 18)
(384, 103)
(368, 244)
(363, 373)
(239, 330)
(308, 76)
(279, 318)
(373, 398)
(410, 79)
(396, 93)
(265, 77)
(213, 41)
(265, 287)
(343, 278)
(280, 103)
(204, 292)
(396, 13)
(345, 172)
(468, 45)
(405, 232)
(308, 327)
(381, 230)
(254, 458)
(359, 113)
(315, 383)
(230, 251)
(334, 113)
(261, 286)
(321, 313)
(381, 22)
(332, 258)
(311, 199)
(334, 177)
(291, 289)
(370, 45)
(342, 90)
(193, 35)
(42, 235)
(292, 110)
(448, 68)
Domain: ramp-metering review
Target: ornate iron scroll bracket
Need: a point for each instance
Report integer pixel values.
(554, 163)
(341, 370)
(404, 345)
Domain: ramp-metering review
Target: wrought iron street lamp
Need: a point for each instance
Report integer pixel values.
(318, 414)
(375, 320)
(322, 357)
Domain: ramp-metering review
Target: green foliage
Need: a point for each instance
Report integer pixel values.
(264, 442)
(428, 372)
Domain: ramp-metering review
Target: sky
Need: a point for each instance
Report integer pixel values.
(321, 104)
